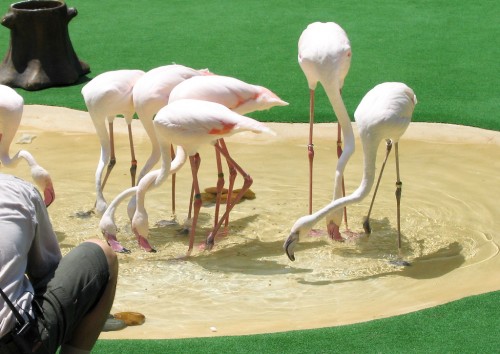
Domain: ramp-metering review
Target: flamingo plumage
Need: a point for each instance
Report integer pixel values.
(189, 124)
(11, 112)
(237, 95)
(384, 113)
(107, 95)
(324, 55)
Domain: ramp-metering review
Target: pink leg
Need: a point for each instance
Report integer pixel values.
(310, 146)
(191, 197)
(339, 153)
(246, 185)
(172, 155)
(232, 176)
(195, 164)
(220, 184)
(112, 160)
(133, 162)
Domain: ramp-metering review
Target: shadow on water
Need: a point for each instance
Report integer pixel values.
(434, 265)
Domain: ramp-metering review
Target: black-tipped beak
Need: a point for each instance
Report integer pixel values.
(290, 245)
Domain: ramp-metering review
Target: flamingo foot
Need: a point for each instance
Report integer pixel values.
(209, 243)
(334, 232)
(317, 233)
(165, 223)
(144, 244)
(115, 244)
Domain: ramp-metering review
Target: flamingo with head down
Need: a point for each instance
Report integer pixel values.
(106, 96)
(325, 57)
(235, 94)
(151, 92)
(384, 113)
(189, 124)
(11, 112)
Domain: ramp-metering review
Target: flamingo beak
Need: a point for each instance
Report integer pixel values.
(144, 244)
(49, 195)
(114, 243)
(290, 243)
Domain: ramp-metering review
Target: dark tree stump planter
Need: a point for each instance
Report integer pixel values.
(40, 53)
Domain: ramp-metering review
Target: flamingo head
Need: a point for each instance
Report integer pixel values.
(267, 99)
(140, 227)
(109, 231)
(301, 228)
(44, 182)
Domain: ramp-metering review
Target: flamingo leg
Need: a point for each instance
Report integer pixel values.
(310, 146)
(172, 155)
(191, 197)
(112, 160)
(195, 165)
(399, 186)
(246, 185)
(339, 153)
(366, 223)
(220, 184)
(232, 177)
(133, 162)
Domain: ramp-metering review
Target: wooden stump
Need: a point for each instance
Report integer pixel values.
(40, 53)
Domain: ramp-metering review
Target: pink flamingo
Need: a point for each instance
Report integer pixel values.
(188, 124)
(107, 95)
(384, 113)
(237, 95)
(325, 57)
(151, 92)
(11, 112)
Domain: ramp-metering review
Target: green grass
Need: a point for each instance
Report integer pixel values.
(446, 51)
(469, 325)
(442, 50)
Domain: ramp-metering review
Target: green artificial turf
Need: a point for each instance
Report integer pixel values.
(469, 325)
(441, 49)
(446, 51)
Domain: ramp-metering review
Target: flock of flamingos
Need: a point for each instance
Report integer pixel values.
(186, 108)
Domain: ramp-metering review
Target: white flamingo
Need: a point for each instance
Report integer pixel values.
(325, 56)
(188, 124)
(106, 96)
(235, 94)
(150, 93)
(11, 112)
(384, 113)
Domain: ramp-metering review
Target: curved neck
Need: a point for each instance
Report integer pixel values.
(335, 98)
(370, 155)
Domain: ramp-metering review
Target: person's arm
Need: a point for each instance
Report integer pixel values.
(44, 254)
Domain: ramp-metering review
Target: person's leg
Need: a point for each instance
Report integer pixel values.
(87, 331)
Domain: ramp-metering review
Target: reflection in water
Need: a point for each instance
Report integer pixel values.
(448, 227)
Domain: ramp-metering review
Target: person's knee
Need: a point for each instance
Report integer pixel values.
(111, 257)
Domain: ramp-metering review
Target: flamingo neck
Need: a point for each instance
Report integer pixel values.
(370, 154)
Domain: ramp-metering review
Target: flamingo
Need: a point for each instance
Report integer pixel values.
(189, 124)
(107, 95)
(235, 94)
(384, 113)
(11, 111)
(324, 57)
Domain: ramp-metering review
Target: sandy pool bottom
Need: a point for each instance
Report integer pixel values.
(246, 284)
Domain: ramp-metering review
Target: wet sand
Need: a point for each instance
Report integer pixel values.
(247, 285)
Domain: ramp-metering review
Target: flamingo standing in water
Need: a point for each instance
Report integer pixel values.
(150, 93)
(188, 124)
(235, 94)
(384, 113)
(325, 57)
(11, 112)
(107, 95)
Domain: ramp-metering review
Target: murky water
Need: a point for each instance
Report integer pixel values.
(246, 284)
